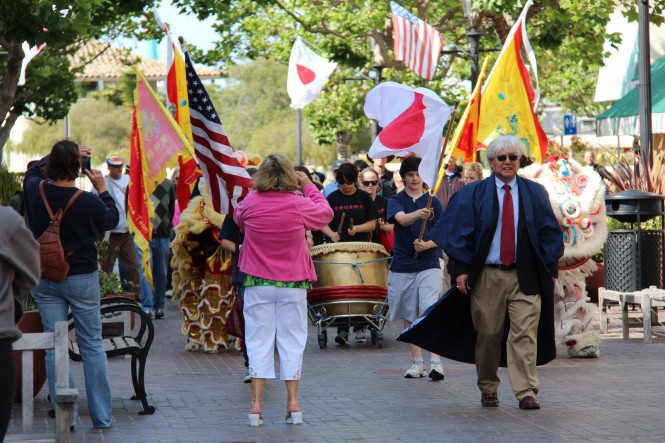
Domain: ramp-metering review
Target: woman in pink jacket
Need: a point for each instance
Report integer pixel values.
(275, 256)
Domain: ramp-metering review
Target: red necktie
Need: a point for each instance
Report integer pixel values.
(507, 229)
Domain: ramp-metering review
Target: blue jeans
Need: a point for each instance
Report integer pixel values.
(159, 258)
(80, 293)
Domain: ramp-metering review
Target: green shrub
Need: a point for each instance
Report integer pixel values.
(9, 184)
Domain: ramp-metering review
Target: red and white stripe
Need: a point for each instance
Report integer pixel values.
(416, 43)
(228, 180)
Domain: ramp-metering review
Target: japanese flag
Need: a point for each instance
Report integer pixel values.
(412, 121)
(308, 73)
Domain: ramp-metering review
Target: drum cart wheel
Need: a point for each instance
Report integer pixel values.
(323, 339)
(377, 339)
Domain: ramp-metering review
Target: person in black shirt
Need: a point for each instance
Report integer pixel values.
(383, 233)
(354, 220)
(356, 205)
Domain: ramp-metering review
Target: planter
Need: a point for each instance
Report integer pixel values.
(595, 281)
(31, 322)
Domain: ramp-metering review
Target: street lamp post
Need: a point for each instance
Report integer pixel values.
(474, 38)
(376, 76)
(646, 137)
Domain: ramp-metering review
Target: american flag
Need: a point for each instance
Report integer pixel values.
(416, 43)
(227, 181)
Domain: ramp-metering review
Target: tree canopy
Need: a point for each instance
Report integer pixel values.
(63, 25)
(254, 108)
(567, 36)
(94, 122)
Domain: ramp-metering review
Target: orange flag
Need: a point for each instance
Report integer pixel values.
(465, 138)
(508, 99)
(177, 102)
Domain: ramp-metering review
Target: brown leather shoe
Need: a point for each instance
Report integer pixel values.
(489, 400)
(529, 402)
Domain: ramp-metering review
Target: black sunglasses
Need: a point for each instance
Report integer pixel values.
(512, 157)
(370, 182)
(345, 182)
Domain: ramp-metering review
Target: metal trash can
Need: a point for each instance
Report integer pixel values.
(634, 257)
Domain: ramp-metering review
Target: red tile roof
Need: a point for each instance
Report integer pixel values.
(106, 62)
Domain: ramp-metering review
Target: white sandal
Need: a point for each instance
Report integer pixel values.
(294, 418)
(254, 420)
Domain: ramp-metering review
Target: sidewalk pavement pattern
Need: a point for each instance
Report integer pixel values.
(357, 393)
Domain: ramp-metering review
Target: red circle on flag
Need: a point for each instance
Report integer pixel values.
(407, 129)
(305, 74)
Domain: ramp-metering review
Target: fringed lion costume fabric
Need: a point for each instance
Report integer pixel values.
(577, 196)
(202, 276)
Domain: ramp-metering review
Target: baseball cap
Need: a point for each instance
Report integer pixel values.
(336, 164)
(115, 161)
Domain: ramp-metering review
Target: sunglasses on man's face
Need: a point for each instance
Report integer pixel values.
(370, 182)
(345, 182)
(512, 157)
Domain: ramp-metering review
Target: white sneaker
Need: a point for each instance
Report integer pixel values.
(416, 370)
(360, 336)
(436, 371)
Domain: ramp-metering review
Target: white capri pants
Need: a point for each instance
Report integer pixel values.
(275, 313)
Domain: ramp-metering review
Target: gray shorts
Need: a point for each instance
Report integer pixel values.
(410, 294)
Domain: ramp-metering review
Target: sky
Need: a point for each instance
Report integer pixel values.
(195, 32)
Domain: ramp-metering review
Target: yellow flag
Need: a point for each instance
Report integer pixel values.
(508, 99)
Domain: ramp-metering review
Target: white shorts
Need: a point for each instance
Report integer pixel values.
(411, 293)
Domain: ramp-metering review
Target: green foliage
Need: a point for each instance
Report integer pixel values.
(576, 148)
(254, 108)
(97, 123)
(26, 301)
(567, 37)
(9, 184)
(63, 25)
(109, 283)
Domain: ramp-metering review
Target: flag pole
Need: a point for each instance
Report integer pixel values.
(445, 145)
(434, 191)
(299, 131)
(460, 126)
(422, 227)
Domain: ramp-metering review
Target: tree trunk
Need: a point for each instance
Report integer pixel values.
(6, 129)
(9, 86)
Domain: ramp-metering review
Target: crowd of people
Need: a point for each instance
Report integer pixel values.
(495, 238)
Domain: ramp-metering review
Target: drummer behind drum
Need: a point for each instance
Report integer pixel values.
(414, 283)
(354, 220)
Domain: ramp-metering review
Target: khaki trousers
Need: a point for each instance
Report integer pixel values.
(494, 293)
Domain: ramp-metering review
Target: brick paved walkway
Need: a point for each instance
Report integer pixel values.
(357, 394)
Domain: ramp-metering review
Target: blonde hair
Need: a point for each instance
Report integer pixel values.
(368, 169)
(275, 173)
(476, 168)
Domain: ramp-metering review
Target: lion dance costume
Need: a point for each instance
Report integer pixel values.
(202, 276)
(577, 196)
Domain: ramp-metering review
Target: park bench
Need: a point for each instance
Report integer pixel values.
(133, 338)
(649, 299)
(65, 398)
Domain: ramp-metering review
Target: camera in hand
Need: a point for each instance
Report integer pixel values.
(86, 164)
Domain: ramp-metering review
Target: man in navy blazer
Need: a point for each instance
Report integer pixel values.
(509, 280)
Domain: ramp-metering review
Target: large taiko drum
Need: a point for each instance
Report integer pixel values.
(352, 280)
(350, 264)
